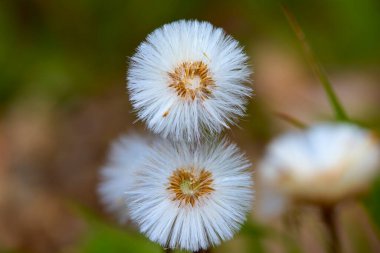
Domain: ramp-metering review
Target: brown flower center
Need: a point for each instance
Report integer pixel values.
(188, 185)
(192, 80)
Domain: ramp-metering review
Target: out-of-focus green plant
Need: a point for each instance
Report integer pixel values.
(103, 237)
(63, 49)
(317, 68)
(372, 203)
(256, 234)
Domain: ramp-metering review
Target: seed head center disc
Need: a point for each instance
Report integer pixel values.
(188, 185)
(192, 80)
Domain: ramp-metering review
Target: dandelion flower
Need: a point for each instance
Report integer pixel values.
(125, 157)
(188, 78)
(326, 163)
(191, 196)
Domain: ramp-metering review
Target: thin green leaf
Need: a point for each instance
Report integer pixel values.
(317, 68)
(291, 120)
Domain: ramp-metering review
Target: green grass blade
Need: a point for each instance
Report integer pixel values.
(318, 70)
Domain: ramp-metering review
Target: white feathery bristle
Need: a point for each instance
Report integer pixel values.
(187, 79)
(126, 156)
(160, 201)
(325, 163)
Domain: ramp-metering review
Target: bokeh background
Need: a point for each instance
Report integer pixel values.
(63, 100)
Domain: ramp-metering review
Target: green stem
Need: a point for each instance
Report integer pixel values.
(167, 250)
(203, 251)
(318, 70)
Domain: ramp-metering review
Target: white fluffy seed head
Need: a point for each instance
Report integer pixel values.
(191, 196)
(125, 157)
(326, 163)
(188, 78)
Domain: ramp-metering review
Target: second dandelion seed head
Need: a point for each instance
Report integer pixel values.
(188, 185)
(191, 196)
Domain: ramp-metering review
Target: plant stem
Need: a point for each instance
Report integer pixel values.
(318, 70)
(203, 251)
(291, 120)
(328, 217)
(167, 250)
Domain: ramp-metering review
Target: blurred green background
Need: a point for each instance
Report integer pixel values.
(63, 99)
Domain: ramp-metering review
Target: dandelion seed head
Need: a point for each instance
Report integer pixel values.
(188, 78)
(191, 196)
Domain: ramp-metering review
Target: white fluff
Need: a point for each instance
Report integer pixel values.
(165, 49)
(325, 163)
(126, 156)
(213, 218)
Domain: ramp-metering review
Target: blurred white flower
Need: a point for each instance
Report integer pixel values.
(271, 204)
(191, 196)
(125, 157)
(326, 163)
(188, 78)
